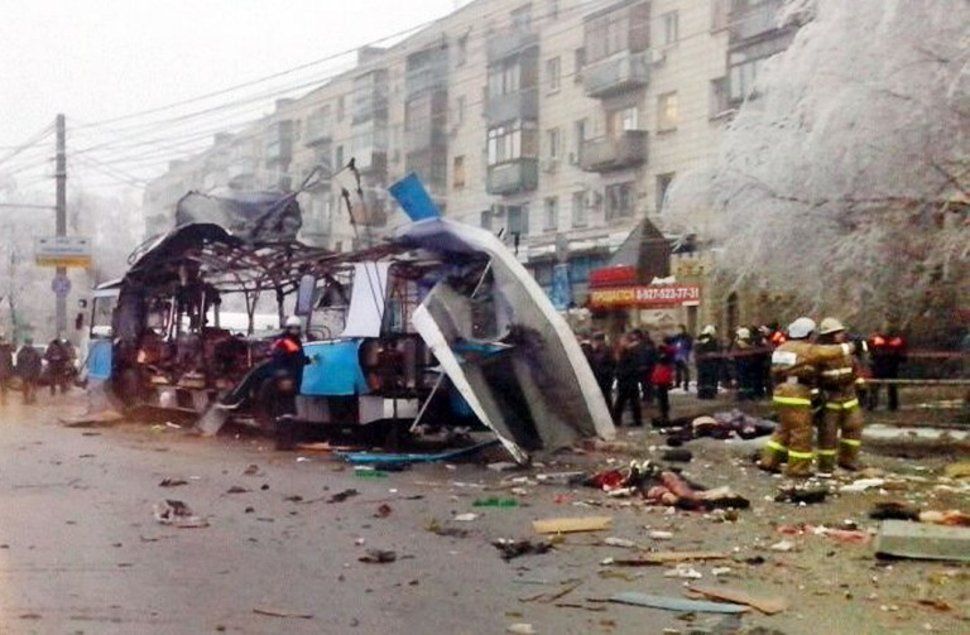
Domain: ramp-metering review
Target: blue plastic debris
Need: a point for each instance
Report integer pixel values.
(414, 199)
(370, 458)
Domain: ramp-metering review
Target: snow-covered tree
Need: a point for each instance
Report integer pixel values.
(844, 181)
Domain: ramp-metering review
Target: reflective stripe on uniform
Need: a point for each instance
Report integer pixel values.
(826, 452)
(852, 442)
(838, 372)
(844, 405)
(792, 454)
(774, 445)
(792, 401)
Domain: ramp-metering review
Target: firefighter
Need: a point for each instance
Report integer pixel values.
(842, 413)
(887, 351)
(6, 366)
(795, 367)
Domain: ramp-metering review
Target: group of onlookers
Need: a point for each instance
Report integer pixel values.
(643, 371)
(27, 364)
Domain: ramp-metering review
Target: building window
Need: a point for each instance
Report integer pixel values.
(619, 201)
(553, 74)
(504, 78)
(458, 172)
(663, 184)
(719, 97)
(522, 18)
(671, 28)
(511, 141)
(580, 214)
(579, 134)
(742, 75)
(622, 120)
(551, 216)
(338, 157)
(554, 143)
(667, 112)
(460, 110)
(462, 55)
(518, 220)
(719, 14)
(553, 12)
(486, 219)
(579, 61)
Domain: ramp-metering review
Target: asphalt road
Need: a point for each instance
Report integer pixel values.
(80, 550)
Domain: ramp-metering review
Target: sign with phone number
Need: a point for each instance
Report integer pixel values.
(645, 296)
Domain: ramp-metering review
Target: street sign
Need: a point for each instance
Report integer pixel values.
(61, 286)
(63, 251)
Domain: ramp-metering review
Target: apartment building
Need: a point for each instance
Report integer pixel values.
(559, 123)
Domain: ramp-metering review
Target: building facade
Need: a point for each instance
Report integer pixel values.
(559, 124)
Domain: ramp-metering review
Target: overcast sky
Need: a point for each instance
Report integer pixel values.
(98, 59)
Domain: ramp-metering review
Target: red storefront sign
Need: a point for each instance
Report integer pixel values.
(612, 276)
(645, 296)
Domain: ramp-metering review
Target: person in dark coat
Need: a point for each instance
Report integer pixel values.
(682, 344)
(628, 376)
(600, 359)
(707, 362)
(887, 352)
(29, 366)
(59, 356)
(6, 367)
(648, 359)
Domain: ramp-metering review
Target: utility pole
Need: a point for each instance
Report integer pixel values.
(60, 176)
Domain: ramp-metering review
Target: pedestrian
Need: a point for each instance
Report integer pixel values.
(683, 344)
(840, 434)
(662, 378)
(795, 366)
(628, 376)
(58, 358)
(6, 367)
(29, 366)
(746, 367)
(887, 352)
(708, 362)
(601, 362)
(648, 358)
(766, 346)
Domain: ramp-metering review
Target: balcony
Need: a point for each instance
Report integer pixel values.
(523, 104)
(608, 153)
(508, 43)
(753, 20)
(371, 162)
(427, 78)
(617, 74)
(424, 137)
(520, 175)
(319, 130)
(279, 151)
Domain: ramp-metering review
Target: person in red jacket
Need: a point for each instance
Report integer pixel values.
(662, 380)
(887, 352)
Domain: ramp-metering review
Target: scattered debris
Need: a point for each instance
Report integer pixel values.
(957, 470)
(862, 485)
(783, 545)
(767, 605)
(340, 497)
(378, 556)
(807, 494)
(102, 418)
(502, 466)
(236, 489)
(178, 514)
(495, 502)
(683, 571)
(451, 532)
(172, 482)
(521, 629)
(665, 557)
(894, 510)
(368, 458)
(902, 539)
(252, 470)
(466, 518)
(661, 535)
(512, 548)
(278, 613)
(613, 541)
(383, 511)
(675, 604)
(570, 525)
(678, 455)
(562, 478)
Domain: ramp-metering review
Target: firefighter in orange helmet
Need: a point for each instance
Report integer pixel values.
(842, 413)
(795, 366)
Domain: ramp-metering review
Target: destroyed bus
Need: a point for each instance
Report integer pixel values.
(438, 322)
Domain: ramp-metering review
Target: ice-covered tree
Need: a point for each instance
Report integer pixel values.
(844, 181)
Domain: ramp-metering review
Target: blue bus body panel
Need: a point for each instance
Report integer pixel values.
(334, 369)
(100, 353)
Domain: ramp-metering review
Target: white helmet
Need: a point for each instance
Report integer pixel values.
(801, 328)
(830, 325)
(709, 330)
(293, 322)
(744, 333)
